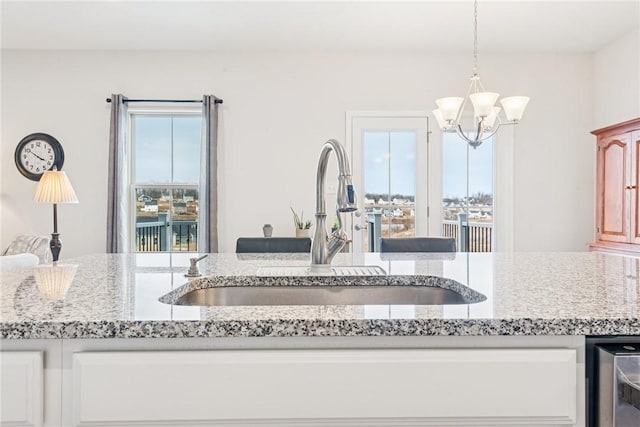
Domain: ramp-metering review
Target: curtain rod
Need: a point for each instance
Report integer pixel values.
(217, 101)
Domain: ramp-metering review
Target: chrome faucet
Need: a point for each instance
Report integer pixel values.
(325, 248)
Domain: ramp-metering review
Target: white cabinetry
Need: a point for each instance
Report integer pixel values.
(21, 388)
(429, 387)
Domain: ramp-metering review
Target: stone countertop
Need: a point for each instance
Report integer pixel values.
(116, 296)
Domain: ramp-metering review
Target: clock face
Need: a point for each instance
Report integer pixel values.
(37, 156)
(38, 153)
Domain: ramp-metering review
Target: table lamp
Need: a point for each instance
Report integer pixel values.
(54, 187)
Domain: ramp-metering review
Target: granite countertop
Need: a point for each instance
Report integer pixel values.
(117, 296)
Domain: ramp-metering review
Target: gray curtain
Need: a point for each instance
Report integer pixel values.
(208, 223)
(117, 216)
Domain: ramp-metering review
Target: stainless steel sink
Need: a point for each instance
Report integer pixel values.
(323, 295)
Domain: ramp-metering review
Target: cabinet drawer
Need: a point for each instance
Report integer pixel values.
(21, 388)
(507, 387)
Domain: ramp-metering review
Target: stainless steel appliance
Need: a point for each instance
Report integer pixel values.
(613, 382)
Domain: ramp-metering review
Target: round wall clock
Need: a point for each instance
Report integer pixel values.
(38, 153)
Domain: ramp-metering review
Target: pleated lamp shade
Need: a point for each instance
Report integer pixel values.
(55, 187)
(53, 281)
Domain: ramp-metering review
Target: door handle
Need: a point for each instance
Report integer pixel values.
(630, 187)
(359, 227)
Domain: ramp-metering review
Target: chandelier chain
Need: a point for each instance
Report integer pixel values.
(475, 37)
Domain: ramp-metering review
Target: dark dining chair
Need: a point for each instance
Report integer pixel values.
(246, 245)
(418, 244)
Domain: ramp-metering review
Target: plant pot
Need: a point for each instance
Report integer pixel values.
(267, 229)
(303, 233)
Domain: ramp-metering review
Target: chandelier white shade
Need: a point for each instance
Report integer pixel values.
(448, 108)
(483, 103)
(514, 107)
(486, 115)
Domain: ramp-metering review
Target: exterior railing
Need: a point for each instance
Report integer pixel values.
(151, 236)
(469, 236)
(166, 236)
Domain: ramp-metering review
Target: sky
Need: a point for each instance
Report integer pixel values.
(389, 158)
(390, 163)
(153, 138)
(454, 166)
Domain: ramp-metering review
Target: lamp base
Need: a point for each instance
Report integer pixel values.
(55, 245)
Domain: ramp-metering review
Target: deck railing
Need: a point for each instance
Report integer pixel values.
(469, 236)
(167, 236)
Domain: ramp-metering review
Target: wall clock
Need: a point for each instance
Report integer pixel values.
(38, 153)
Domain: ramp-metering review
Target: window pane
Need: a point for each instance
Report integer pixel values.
(185, 219)
(461, 163)
(481, 181)
(152, 144)
(390, 181)
(401, 211)
(454, 176)
(187, 132)
(376, 176)
(152, 219)
(166, 219)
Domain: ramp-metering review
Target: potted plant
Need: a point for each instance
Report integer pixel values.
(303, 228)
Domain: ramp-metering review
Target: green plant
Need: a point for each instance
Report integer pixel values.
(299, 221)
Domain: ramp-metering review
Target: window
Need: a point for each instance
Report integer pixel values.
(390, 180)
(165, 181)
(467, 193)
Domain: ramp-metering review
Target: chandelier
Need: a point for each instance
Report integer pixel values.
(486, 116)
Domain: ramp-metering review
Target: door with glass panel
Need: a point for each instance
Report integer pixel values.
(391, 174)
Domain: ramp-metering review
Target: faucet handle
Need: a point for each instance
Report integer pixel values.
(338, 240)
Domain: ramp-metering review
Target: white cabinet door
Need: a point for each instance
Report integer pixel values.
(308, 387)
(21, 388)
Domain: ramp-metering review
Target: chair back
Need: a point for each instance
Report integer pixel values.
(418, 244)
(245, 245)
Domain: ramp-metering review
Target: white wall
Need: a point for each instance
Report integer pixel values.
(617, 81)
(278, 111)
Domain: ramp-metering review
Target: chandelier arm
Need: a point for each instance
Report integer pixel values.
(475, 142)
(493, 132)
(462, 135)
(479, 130)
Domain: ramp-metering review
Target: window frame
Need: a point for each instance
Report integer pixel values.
(133, 185)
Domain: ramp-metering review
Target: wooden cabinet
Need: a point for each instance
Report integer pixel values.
(617, 186)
